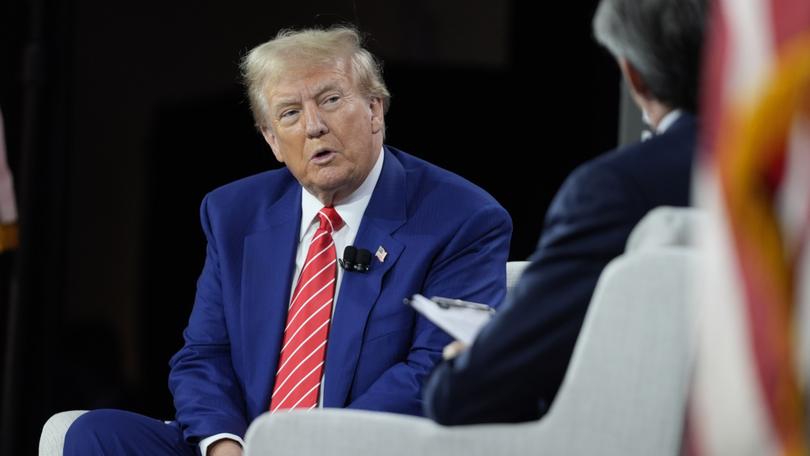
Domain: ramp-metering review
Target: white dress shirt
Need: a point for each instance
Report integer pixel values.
(663, 124)
(667, 121)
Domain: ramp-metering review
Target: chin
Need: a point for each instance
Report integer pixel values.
(332, 179)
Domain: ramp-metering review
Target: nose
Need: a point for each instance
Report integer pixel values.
(316, 127)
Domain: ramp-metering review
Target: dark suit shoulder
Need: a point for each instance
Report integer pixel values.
(245, 204)
(433, 187)
(263, 188)
(654, 170)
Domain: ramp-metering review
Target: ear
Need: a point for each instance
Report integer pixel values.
(272, 141)
(634, 79)
(377, 115)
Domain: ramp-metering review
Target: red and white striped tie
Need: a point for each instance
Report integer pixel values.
(303, 352)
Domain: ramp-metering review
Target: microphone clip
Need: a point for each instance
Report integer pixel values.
(355, 260)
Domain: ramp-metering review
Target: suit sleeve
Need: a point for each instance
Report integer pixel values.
(207, 395)
(472, 267)
(516, 364)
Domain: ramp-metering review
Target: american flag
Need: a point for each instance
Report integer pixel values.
(753, 178)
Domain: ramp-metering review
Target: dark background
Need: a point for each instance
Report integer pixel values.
(120, 116)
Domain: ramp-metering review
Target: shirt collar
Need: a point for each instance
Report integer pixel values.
(350, 209)
(670, 118)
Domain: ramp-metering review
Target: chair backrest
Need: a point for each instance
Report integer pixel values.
(514, 269)
(666, 226)
(626, 387)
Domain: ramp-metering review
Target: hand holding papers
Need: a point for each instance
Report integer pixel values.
(460, 319)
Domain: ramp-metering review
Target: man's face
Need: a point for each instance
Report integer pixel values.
(325, 131)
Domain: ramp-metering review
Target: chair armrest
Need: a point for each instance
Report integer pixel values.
(52, 439)
(342, 432)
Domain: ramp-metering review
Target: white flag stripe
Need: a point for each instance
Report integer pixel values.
(288, 376)
(302, 325)
(302, 344)
(794, 214)
(792, 198)
(730, 412)
(803, 311)
(8, 201)
(729, 407)
(296, 385)
(750, 48)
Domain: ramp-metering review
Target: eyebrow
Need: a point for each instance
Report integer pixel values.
(326, 86)
(284, 102)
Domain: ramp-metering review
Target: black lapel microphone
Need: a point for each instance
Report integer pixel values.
(355, 260)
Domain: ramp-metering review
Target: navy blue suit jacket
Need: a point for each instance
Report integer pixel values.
(516, 364)
(443, 236)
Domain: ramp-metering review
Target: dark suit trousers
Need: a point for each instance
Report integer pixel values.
(118, 432)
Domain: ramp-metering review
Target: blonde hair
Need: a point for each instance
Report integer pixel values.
(264, 63)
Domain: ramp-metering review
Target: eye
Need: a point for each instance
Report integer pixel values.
(289, 113)
(331, 99)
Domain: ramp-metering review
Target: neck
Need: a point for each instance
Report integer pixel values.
(329, 198)
(655, 111)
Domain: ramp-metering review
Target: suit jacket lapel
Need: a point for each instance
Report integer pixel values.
(359, 292)
(268, 266)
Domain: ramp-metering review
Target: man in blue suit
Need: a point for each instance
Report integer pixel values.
(514, 367)
(319, 100)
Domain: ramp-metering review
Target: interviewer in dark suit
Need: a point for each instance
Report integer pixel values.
(513, 369)
(319, 100)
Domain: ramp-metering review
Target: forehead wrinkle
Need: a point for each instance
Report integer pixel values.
(281, 101)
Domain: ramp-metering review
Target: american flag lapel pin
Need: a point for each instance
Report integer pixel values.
(381, 254)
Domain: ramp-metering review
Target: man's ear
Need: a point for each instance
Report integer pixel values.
(272, 141)
(634, 79)
(377, 114)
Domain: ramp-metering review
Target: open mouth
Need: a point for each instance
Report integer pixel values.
(323, 156)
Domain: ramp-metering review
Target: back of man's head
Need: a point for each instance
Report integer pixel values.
(662, 39)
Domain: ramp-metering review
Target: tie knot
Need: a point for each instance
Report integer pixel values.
(330, 219)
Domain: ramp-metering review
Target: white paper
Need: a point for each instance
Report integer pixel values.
(460, 322)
